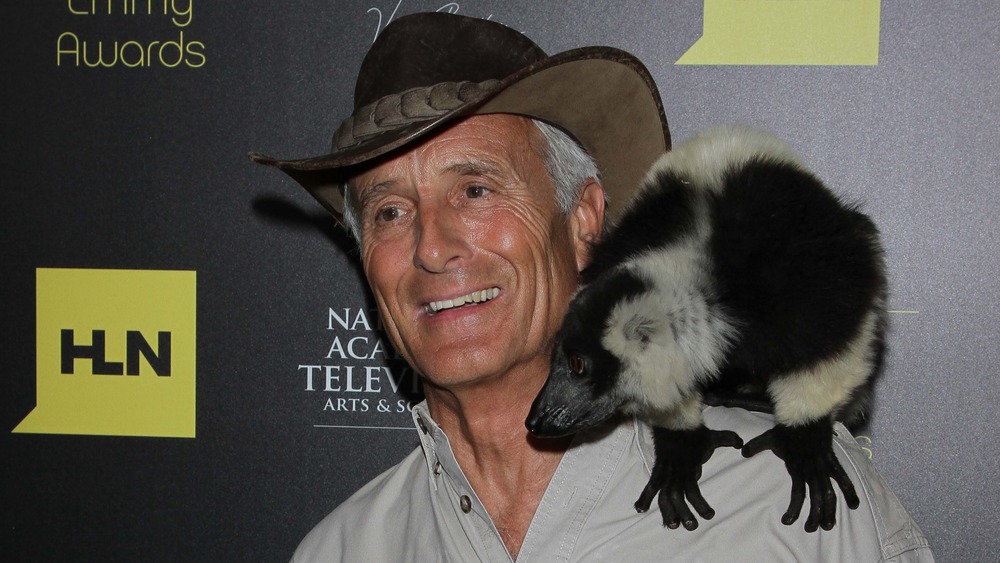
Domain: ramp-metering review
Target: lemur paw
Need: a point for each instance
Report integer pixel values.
(807, 451)
(679, 457)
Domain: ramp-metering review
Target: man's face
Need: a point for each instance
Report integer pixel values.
(470, 215)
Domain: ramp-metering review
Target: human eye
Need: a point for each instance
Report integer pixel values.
(475, 191)
(388, 214)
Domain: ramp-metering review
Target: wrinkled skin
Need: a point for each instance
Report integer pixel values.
(467, 211)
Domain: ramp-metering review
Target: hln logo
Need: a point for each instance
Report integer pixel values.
(136, 326)
(135, 345)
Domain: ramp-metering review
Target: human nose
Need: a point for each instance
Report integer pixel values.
(439, 239)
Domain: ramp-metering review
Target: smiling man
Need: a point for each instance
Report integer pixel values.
(470, 216)
(477, 171)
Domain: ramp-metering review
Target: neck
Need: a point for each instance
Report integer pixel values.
(507, 467)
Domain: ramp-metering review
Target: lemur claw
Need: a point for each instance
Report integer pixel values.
(680, 455)
(807, 451)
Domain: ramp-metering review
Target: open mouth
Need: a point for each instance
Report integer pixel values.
(480, 296)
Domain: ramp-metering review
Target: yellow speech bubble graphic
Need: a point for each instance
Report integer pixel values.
(787, 32)
(115, 353)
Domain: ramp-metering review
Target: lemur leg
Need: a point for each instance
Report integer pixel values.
(804, 403)
(683, 444)
(807, 450)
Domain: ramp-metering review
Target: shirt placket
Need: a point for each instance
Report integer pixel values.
(458, 503)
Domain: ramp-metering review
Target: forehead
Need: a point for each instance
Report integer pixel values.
(497, 141)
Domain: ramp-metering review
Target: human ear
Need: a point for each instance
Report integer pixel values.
(588, 221)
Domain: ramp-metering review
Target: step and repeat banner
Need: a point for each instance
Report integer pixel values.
(192, 368)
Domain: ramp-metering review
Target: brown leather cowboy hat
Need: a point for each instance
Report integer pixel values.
(426, 70)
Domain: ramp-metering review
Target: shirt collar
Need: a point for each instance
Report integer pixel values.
(438, 454)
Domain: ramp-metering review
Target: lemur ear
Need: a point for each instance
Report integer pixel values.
(640, 329)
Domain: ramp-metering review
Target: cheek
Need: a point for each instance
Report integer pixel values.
(374, 265)
(384, 266)
(384, 281)
(543, 235)
(511, 227)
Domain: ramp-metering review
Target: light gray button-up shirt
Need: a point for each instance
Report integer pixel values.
(423, 509)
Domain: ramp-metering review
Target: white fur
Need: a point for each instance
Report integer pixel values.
(687, 415)
(688, 334)
(816, 392)
(703, 159)
(688, 337)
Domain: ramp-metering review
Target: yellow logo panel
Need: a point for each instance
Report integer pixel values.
(115, 353)
(787, 32)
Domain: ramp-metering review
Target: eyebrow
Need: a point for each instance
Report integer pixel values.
(475, 167)
(468, 167)
(368, 193)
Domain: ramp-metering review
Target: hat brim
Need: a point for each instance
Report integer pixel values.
(602, 96)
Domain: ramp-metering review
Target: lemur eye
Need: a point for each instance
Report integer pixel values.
(576, 364)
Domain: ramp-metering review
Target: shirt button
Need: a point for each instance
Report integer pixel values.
(466, 504)
(437, 467)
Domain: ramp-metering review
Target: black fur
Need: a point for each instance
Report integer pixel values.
(798, 268)
(585, 402)
(654, 219)
(794, 270)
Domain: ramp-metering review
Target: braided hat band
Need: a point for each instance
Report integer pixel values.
(414, 105)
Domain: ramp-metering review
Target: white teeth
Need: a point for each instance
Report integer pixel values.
(474, 297)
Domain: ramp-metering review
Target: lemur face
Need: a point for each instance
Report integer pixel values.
(580, 391)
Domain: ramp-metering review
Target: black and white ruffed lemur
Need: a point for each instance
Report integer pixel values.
(734, 268)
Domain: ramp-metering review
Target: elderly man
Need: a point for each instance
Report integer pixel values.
(476, 172)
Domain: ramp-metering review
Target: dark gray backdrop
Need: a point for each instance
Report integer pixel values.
(146, 168)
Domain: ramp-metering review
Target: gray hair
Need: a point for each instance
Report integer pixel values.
(567, 162)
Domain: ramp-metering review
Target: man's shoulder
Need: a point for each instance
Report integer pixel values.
(880, 520)
(363, 518)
